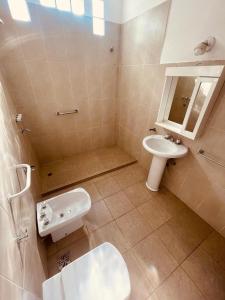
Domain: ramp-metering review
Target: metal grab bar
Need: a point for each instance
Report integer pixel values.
(28, 180)
(75, 111)
(202, 152)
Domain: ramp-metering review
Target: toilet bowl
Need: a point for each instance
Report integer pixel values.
(63, 214)
(101, 274)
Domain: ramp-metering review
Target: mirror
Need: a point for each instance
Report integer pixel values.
(182, 97)
(188, 96)
(200, 99)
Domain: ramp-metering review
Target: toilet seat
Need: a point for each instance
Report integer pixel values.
(101, 274)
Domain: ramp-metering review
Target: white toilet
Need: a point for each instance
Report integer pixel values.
(101, 274)
(63, 214)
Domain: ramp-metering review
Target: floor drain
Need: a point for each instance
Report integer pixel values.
(63, 261)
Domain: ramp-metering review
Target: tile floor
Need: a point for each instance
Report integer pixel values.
(171, 253)
(82, 166)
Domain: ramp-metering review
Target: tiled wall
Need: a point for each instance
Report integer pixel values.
(55, 63)
(199, 183)
(21, 269)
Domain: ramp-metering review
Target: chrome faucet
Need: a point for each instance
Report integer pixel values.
(169, 137)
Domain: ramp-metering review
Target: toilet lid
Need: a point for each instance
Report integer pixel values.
(101, 274)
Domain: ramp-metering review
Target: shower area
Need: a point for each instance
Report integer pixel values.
(61, 71)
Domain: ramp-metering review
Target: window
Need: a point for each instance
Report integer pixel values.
(77, 7)
(98, 17)
(19, 10)
(63, 5)
(48, 3)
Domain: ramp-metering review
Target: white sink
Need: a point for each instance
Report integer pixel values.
(162, 149)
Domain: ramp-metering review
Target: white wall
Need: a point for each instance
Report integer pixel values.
(134, 8)
(191, 22)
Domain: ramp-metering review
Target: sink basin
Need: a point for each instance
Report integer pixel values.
(158, 145)
(162, 149)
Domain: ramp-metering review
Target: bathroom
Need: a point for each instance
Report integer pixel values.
(112, 149)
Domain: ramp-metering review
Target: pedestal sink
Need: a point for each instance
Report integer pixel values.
(162, 149)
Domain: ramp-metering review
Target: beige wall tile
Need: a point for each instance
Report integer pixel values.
(9, 290)
(15, 149)
(197, 182)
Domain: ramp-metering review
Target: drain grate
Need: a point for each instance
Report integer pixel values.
(63, 260)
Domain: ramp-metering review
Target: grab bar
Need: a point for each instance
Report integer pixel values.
(75, 111)
(28, 180)
(202, 152)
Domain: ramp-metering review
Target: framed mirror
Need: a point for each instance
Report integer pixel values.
(188, 97)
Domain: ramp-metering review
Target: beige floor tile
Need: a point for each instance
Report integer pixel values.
(140, 285)
(75, 250)
(137, 193)
(71, 238)
(82, 166)
(169, 201)
(109, 233)
(154, 213)
(130, 175)
(98, 216)
(107, 187)
(178, 286)
(156, 259)
(118, 204)
(207, 274)
(183, 233)
(214, 245)
(133, 227)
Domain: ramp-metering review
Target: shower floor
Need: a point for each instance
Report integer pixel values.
(81, 167)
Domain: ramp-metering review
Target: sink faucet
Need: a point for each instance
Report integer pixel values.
(169, 137)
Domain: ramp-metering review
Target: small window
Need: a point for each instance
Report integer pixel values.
(78, 7)
(19, 10)
(63, 5)
(98, 9)
(48, 3)
(98, 17)
(98, 26)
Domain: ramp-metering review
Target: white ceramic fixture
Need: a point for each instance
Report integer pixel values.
(162, 149)
(99, 274)
(61, 215)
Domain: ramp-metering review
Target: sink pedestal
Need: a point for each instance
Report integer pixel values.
(155, 173)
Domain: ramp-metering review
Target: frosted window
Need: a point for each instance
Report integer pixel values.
(63, 5)
(19, 10)
(77, 7)
(48, 3)
(98, 26)
(98, 8)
